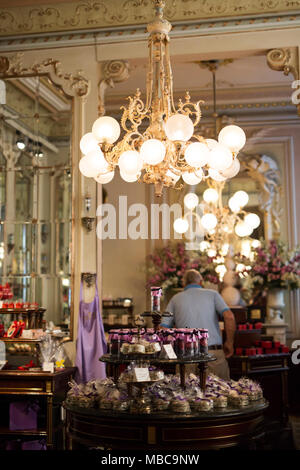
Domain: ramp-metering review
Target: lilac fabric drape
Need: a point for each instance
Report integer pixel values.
(91, 343)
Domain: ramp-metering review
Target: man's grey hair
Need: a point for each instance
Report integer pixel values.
(191, 276)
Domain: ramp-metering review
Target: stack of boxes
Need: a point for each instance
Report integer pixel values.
(250, 339)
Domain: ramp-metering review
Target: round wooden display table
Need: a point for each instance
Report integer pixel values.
(215, 429)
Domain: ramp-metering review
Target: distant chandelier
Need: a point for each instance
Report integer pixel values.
(221, 224)
(166, 147)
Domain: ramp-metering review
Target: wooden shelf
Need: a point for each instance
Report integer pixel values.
(27, 432)
(19, 340)
(4, 311)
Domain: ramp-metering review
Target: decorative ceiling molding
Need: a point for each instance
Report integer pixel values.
(73, 84)
(87, 15)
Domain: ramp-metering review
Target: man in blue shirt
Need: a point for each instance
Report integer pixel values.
(196, 307)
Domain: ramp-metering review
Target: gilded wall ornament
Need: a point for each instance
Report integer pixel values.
(114, 71)
(285, 59)
(72, 83)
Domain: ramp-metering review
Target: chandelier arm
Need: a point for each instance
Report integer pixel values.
(149, 85)
(170, 80)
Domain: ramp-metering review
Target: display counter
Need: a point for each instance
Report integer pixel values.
(93, 428)
(49, 389)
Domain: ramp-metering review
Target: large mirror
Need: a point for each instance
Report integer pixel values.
(36, 195)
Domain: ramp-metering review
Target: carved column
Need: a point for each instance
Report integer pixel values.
(113, 71)
(286, 59)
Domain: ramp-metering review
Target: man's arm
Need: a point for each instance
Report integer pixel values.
(230, 327)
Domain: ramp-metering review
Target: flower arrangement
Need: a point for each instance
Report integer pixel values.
(167, 265)
(272, 266)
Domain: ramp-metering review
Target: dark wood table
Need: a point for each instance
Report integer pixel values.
(93, 428)
(50, 386)
(271, 371)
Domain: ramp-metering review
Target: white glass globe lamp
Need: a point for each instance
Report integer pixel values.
(153, 151)
(209, 221)
(106, 178)
(216, 175)
(191, 201)
(106, 129)
(179, 127)
(252, 220)
(210, 195)
(211, 252)
(211, 143)
(191, 178)
(241, 197)
(204, 245)
(129, 177)
(242, 229)
(196, 154)
(181, 225)
(232, 137)
(255, 243)
(130, 162)
(220, 158)
(234, 205)
(93, 164)
(232, 170)
(88, 143)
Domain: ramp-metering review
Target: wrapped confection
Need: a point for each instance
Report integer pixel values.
(123, 404)
(107, 403)
(85, 402)
(152, 348)
(161, 403)
(203, 404)
(180, 404)
(138, 348)
(127, 376)
(125, 348)
(156, 374)
(220, 401)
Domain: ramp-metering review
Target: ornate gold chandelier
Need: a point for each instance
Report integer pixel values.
(221, 224)
(158, 144)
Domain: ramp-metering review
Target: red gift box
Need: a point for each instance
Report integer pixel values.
(11, 305)
(272, 351)
(266, 344)
(259, 350)
(239, 351)
(284, 349)
(251, 351)
(5, 305)
(276, 344)
(258, 325)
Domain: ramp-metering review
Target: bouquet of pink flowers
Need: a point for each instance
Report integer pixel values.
(272, 266)
(166, 267)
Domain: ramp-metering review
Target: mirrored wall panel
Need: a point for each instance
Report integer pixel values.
(36, 195)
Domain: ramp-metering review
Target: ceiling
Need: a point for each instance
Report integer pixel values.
(246, 83)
